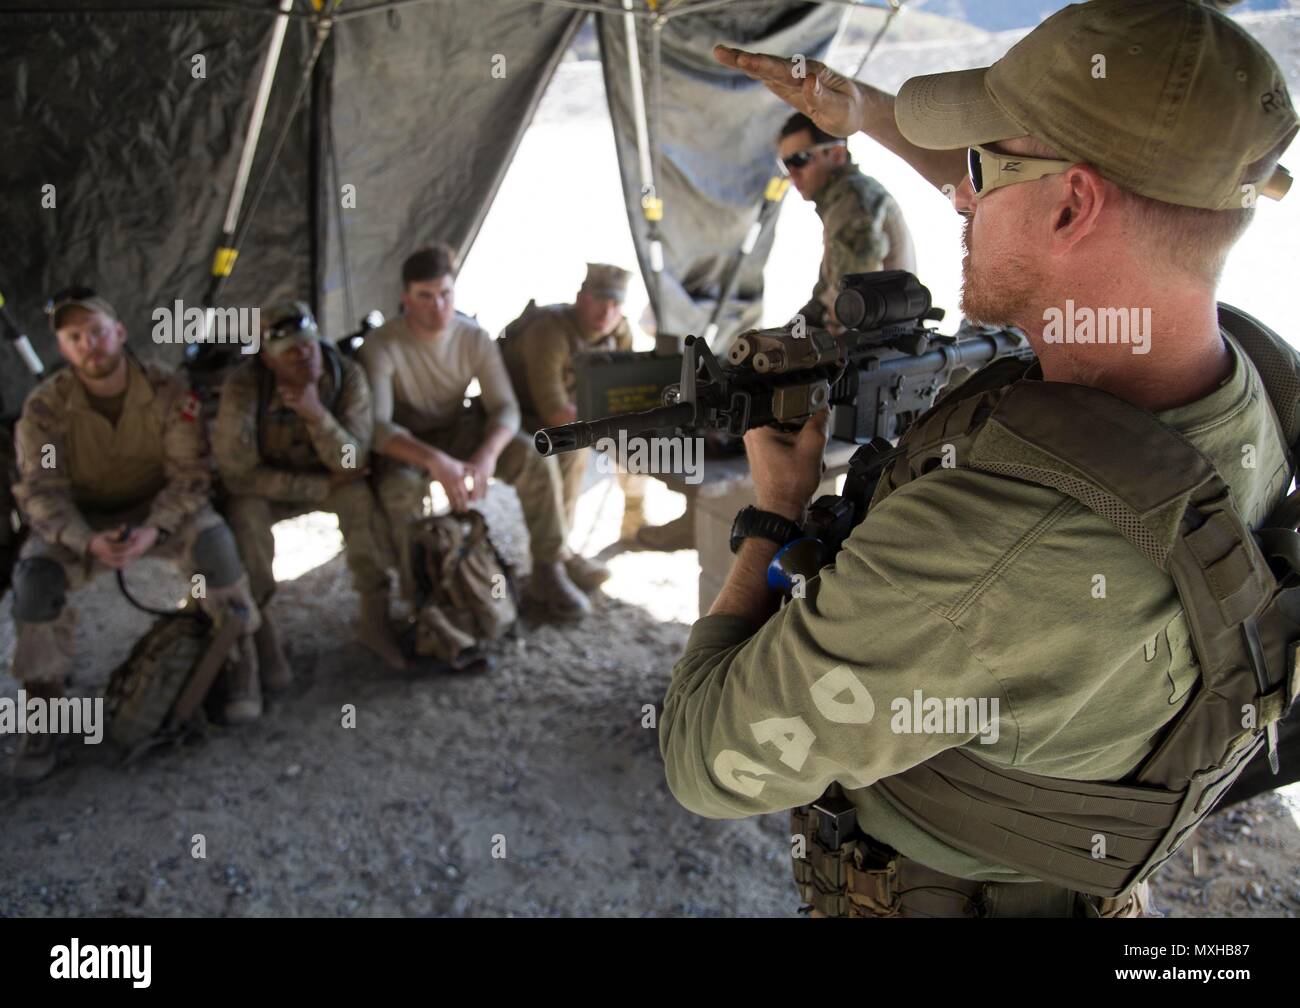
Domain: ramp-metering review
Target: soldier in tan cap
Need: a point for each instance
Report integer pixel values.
(292, 436)
(420, 366)
(1008, 694)
(112, 467)
(538, 349)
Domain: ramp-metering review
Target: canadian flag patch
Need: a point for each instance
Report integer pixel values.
(190, 410)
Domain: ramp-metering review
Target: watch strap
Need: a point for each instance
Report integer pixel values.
(752, 521)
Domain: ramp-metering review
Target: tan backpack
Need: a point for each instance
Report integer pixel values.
(156, 695)
(465, 590)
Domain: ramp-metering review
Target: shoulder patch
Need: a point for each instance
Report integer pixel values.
(190, 406)
(41, 408)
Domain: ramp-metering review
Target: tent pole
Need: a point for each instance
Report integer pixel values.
(21, 344)
(772, 196)
(224, 259)
(654, 119)
(895, 8)
(651, 204)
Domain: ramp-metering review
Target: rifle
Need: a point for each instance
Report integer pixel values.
(882, 372)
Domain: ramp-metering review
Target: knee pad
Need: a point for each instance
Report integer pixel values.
(216, 557)
(40, 590)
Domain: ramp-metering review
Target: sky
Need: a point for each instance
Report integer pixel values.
(1003, 15)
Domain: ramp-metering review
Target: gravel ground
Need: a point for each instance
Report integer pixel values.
(545, 760)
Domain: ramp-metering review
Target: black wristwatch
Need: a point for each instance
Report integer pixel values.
(764, 524)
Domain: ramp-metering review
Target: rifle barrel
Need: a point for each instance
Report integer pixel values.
(584, 433)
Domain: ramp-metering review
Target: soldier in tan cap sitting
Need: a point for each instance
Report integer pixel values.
(112, 467)
(538, 348)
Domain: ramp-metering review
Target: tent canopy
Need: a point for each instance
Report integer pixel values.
(126, 126)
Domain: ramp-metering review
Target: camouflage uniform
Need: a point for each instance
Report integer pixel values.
(80, 474)
(275, 465)
(862, 231)
(539, 358)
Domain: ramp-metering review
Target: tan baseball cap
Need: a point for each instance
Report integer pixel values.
(76, 297)
(606, 281)
(1167, 98)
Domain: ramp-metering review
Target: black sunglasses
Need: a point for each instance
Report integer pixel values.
(801, 158)
(61, 297)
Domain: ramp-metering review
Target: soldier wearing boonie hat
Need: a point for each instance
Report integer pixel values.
(1109, 159)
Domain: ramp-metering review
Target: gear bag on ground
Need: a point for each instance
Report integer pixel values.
(465, 592)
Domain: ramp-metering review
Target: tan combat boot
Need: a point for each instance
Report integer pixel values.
(243, 684)
(551, 591)
(272, 667)
(375, 631)
(678, 534)
(586, 574)
(38, 753)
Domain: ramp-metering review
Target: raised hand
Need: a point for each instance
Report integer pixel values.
(831, 100)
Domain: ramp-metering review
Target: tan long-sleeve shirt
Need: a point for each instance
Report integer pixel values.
(418, 384)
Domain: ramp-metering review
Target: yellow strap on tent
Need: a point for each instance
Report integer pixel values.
(224, 261)
(776, 188)
(653, 207)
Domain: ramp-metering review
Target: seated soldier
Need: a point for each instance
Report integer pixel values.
(538, 349)
(293, 436)
(420, 365)
(112, 466)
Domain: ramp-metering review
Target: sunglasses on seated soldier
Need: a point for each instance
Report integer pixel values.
(67, 295)
(291, 325)
(287, 334)
(990, 170)
(801, 159)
